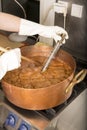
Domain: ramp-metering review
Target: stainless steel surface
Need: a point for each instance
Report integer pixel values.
(74, 117)
(57, 47)
(31, 117)
(53, 53)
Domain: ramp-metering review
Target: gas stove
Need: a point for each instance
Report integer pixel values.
(71, 115)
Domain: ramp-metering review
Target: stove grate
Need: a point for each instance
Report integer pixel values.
(51, 113)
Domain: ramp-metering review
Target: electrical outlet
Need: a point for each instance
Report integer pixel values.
(63, 3)
(61, 7)
(58, 8)
(76, 10)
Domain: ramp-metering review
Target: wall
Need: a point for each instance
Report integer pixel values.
(76, 27)
(9, 6)
(46, 12)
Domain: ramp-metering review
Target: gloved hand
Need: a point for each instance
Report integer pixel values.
(32, 28)
(9, 61)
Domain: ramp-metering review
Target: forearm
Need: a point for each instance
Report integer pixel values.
(25, 27)
(9, 22)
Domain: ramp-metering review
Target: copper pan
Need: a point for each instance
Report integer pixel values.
(43, 98)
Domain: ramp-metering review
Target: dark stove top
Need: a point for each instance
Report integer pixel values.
(51, 113)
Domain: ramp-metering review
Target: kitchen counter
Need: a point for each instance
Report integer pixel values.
(5, 42)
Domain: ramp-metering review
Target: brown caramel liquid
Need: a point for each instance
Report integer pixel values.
(30, 76)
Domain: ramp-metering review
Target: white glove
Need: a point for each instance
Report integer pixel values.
(32, 28)
(9, 61)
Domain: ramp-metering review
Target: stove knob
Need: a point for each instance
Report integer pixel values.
(10, 120)
(23, 127)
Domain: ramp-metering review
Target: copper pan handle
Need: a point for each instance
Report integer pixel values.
(77, 79)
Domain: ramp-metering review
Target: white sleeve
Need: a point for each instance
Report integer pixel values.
(9, 61)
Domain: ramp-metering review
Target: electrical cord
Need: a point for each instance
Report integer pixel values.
(24, 12)
(25, 16)
(15, 36)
